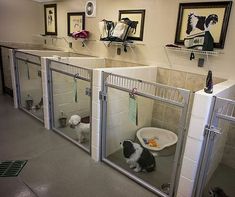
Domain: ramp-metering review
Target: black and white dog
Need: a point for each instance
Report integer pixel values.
(200, 22)
(217, 192)
(138, 158)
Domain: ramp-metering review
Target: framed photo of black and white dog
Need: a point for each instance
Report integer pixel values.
(134, 15)
(50, 19)
(76, 22)
(194, 18)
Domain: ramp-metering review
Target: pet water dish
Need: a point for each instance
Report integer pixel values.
(156, 139)
(166, 188)
(29, 102)
(62, 119)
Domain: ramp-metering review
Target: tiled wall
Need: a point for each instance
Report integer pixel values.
(83, 61)
(30, 82)
(109, 63)
(229, 149)
(64, 96)
(218, 148)
(119, 127)
(166, 116)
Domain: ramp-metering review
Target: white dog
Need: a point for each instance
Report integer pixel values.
(82, 129)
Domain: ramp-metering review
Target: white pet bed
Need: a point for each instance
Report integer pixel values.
(164, 138)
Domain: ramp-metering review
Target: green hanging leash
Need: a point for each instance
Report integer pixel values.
(27, 67)
(75, 88)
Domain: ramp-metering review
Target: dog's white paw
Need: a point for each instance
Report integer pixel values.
(80, 141)
(137, 169)
(132, 166)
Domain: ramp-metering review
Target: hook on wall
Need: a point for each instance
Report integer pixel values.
(192, 56)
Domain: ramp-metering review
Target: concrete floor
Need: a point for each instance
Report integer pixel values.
(56, 167)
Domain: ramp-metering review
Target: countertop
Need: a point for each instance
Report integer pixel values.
(12, 45)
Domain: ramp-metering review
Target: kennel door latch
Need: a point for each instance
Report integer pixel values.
(88, 92)
(103, 96)
(213, 129)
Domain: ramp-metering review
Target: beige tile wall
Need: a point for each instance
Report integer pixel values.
(166, 116)
(218, 149)
(63, 97)
(109, 63)
(229, 150)
(31, 86)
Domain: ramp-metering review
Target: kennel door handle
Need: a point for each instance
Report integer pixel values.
(216, 130)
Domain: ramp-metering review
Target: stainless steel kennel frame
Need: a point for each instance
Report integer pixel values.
(221, 109)
(27, 58)
(170, 95)
(73, 71)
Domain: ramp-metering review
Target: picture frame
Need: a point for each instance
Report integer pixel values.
(50, 19)
(204, 16)
(90, 8)
(75, 22)
(134, 15)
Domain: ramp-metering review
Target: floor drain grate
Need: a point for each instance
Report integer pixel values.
(11, 168)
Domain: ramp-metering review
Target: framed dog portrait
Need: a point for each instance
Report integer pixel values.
(75, 22)
(195, 18)
(50, 19)
(134, 15)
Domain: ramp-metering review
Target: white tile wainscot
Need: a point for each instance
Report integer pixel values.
(46, 107)
(199, 118)
(96, 116)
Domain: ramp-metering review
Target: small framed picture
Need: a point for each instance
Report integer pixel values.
(195, 18)
(76, 22)
(50, 18)
(135, 15)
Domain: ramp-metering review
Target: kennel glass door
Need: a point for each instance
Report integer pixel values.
(71, 96)
(218, 172)
(30, 88)
(6, 71)
(118, 126)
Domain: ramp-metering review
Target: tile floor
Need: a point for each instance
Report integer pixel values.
(56, 167)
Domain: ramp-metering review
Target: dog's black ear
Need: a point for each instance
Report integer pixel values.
(128, 149)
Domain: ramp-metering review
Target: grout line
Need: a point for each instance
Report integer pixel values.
(199, 140)
(187, 179)
(193, 161)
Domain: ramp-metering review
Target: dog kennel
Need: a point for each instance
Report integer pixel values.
(129, 105)
(70, 94)
(29, 84)
(216, 172)
(28, 77)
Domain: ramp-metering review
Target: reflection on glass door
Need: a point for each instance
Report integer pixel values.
(30, 88)
(72, 108)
